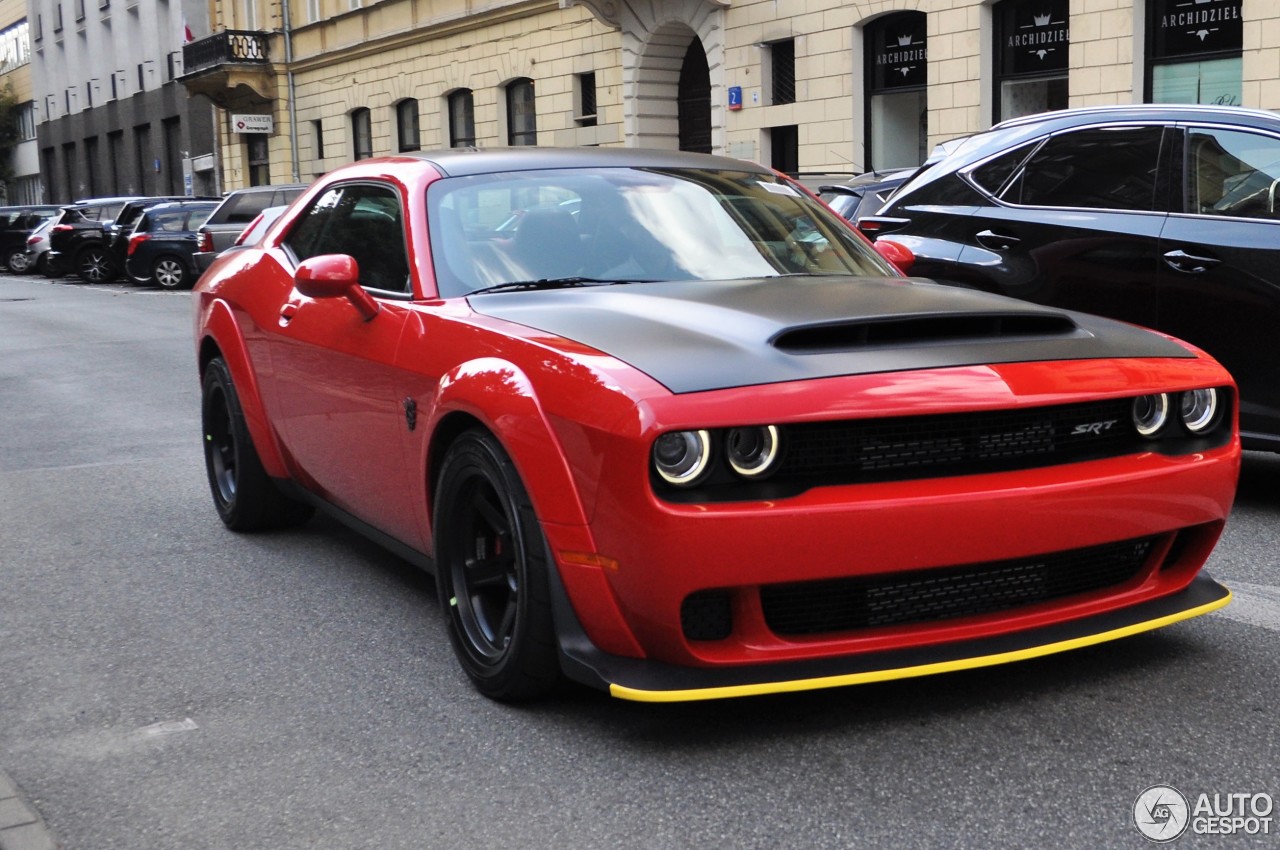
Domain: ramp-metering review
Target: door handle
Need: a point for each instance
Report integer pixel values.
(996, 241)
(1191, 264)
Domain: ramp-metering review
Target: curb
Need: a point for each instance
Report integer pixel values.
(21, 827)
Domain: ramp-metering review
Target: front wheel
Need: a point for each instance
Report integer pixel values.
(243, 493)
(169, 273)
(491, 570)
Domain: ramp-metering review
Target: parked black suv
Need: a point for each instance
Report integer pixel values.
(16, 224)
(1164, 216)
(75, 240)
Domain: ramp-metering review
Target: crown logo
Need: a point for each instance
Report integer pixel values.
(1041, 20)
(904, 41)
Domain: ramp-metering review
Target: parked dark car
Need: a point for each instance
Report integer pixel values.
(235, 213)
(864, 194)
(1164, 216)
(16, 224)
(162, 242)
(116, 233)
(76, 242)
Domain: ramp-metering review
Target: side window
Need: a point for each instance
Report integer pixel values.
(1232, 173)
(246, 206)
(364, 221)
(1105, 168)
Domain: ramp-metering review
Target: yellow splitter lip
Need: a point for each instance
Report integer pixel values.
(648, 682)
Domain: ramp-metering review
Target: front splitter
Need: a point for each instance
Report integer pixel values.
(647, 681)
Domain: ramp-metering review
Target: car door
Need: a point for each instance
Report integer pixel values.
(1074, 221)
(341, 416)
(1220, 262)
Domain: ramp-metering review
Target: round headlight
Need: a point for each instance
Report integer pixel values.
(1199, 410)
(752, 451)
(681, 457)
(1150, 413)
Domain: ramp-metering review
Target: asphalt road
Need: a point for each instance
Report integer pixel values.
(167, 684)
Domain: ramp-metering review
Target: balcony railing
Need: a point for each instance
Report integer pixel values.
(228, 46)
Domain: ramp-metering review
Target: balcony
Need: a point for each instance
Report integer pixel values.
(231, 67)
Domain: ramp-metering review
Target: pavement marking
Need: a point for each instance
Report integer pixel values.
(1255, 604)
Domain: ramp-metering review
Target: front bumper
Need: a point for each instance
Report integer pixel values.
(649, 681)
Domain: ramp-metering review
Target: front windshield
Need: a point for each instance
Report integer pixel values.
(626, 225)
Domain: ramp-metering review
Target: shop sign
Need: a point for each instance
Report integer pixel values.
(899, 56)
(1192, 27)
(1034, 36)
(252, 123)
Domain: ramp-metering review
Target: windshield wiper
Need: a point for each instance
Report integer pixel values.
(552, 283)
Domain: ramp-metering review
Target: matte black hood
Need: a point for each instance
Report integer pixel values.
(692, 336)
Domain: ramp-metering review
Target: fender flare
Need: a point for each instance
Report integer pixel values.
(222, 337)
(500, 396)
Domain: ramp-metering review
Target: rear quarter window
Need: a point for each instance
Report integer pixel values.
(244, 208)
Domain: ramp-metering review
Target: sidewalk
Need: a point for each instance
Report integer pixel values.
(20, 825)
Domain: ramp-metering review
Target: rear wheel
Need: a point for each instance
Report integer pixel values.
(18, 262)
(169, 273)
(93, 265)
(243, 493)
(491, 565)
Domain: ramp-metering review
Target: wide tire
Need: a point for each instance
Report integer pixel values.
(170, 273)
(243, 493)
(491, 571)
(94, 266)
(18, 262)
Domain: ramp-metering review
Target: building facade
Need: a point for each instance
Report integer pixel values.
(303, 86)
(21, 165)
(112, 118)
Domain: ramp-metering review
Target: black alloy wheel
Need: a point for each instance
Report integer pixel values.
(243, 493)
(492, 564)
(93, 265)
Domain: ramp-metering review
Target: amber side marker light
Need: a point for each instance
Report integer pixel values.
(588, 559)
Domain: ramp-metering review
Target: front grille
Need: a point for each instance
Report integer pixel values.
(956, 444)
(840, 605)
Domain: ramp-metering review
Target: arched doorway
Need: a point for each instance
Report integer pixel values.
(694, 100)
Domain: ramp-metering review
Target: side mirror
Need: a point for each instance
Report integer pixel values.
(334, 276)
(897, 254)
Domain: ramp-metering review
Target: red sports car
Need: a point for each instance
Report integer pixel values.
(682, 434)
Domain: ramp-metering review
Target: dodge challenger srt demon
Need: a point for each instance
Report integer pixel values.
(663, 424)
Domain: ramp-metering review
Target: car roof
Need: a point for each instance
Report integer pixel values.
(180, 205)
(270, 187)
(98, 202)
(1142, 111)
(458, 162)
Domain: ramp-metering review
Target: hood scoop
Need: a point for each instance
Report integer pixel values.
(914, 331)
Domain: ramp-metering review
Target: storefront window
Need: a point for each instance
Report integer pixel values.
(1195, 51)
(1031, 56)
(897, 106)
